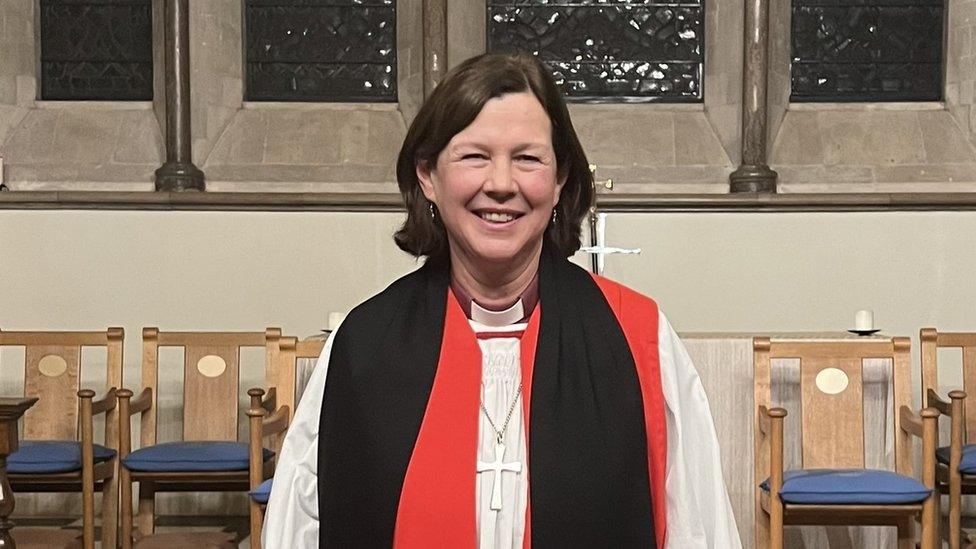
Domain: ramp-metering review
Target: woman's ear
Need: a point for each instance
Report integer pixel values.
(557, 191)
(425, 176)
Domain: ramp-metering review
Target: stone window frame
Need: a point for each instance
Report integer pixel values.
(136, 124)
(686, 147)
(227, 152)
(936, 147)
(716, 119)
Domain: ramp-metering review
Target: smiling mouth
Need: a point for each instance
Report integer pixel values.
(497, 217)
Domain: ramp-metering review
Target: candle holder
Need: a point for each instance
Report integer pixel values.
(865, 332)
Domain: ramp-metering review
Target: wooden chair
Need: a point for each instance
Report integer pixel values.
(269, 418)
(956, 463)
(58, 453)
(833, 487)
(209, 457)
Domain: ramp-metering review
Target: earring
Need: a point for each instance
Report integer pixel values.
(430, 207)
(555, 215)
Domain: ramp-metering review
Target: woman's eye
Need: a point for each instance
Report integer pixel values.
(528, 158)
(476, 156)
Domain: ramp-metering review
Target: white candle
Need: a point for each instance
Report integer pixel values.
(864, 320)
(335, 319)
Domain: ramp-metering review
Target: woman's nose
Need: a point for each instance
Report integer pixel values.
(500, 179)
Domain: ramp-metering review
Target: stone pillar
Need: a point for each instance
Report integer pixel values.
(435, 43)
(753, 174)
(178, 172)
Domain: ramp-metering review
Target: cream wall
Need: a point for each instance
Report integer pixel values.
(245, 271)
(805, 271)
(241, 270)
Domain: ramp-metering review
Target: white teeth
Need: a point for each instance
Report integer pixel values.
(496, 217)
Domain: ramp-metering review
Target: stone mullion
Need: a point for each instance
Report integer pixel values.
(754, 174)
(435, 43)
(178, 173)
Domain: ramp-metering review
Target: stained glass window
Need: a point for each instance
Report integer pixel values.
(96, 50)
(608, 50)
(867, 50)
(320, 50)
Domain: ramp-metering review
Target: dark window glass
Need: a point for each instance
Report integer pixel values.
(320, 50)
(608, 50)
(867, 50)
(96, 50)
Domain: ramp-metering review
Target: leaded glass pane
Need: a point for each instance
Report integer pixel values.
(96, 50)
(608, 50)
(859, 50)
(320, 50)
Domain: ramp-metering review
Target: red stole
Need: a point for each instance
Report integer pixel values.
(638, 317)
(437, 502)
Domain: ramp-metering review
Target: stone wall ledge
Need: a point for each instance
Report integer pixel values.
(386, 202)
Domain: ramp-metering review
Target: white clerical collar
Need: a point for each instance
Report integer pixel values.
(497, 319)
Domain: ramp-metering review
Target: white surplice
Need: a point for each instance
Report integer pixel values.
(699, 514)
(501, 375)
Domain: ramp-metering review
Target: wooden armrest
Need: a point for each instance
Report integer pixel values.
(275, 423)
(270, 401)
(136, 405)
(918, 424)
(765, 416)
(773, 418)
(925, 425)
(100, 406)
(911, 422)
(128, 407)
(957, 430)
(937, 402)
(263, 420)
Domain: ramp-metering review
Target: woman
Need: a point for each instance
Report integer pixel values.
(500, 396)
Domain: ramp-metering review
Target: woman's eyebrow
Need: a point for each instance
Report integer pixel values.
(529, 145)
(517, 148)
(462, 144)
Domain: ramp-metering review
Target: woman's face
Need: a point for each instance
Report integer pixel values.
(495, 183)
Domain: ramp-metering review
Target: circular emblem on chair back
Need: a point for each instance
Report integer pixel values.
(211, 366)
(832, 381)
(52, 366)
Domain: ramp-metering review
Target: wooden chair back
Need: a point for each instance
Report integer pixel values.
(270, 413)
(285, 383)
(831, 398)
(52, 371)
(933, 340)
(211, 379)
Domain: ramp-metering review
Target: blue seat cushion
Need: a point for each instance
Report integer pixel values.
(849, 486)
(52, 456)
(186, 457)
(262, 492)
(967, 464)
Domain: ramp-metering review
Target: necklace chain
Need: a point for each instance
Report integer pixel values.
(500, 434)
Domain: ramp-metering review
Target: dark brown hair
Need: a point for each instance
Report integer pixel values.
(453, 105)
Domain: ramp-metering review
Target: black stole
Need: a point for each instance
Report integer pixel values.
(587, 444)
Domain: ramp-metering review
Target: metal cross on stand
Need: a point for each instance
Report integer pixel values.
(598, 228)
(498, 465)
